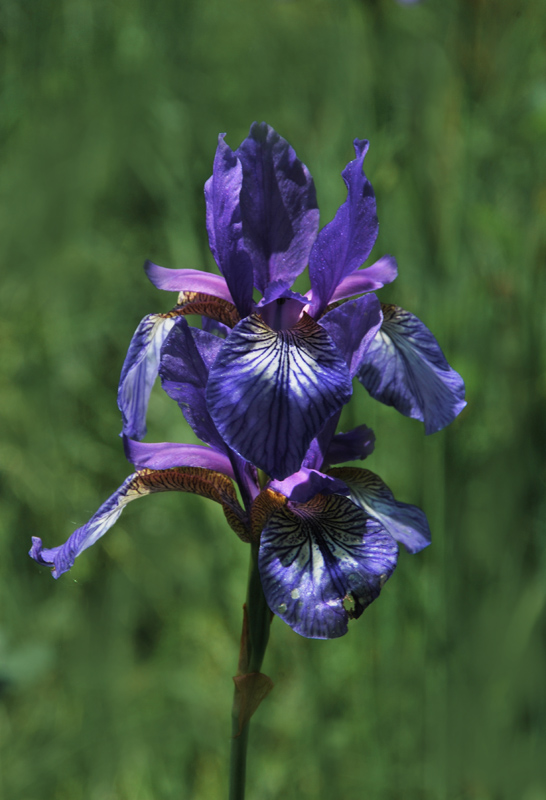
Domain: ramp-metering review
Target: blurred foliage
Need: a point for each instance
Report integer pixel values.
(116, 680)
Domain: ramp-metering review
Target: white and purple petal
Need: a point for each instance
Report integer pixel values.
(278, 206)
(225, 226)
(140, 371)
(353, 326)
(404, 367)
(270, 392)
(203, 482)
(186, 357)
(322, 563)
(187, 280)
(345, 243)
(405, 523)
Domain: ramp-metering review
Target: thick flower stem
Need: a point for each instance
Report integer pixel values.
(250, 685)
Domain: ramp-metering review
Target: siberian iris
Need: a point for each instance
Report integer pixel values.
(263, 383)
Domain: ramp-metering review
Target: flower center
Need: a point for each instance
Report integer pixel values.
(282, 313)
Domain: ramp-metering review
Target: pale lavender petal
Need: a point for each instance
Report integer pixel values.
(345, 243)
(306, 483)
(225, 227)
(322, 563)
(165, 455)
(369, 279)
(405, 523)
(404, 367)
(353, 326)
(140, 371)
(356, 444)
(187, 280)
(278, 206)
(270, 393)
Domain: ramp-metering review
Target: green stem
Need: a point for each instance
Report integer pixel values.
(257, 635)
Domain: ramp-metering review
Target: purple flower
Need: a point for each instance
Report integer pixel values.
(263, 384)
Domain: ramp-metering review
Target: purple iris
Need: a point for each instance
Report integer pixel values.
(263, 384)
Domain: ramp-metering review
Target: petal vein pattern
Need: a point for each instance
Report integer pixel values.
(322, 563)
(404, 367)
(270, 392)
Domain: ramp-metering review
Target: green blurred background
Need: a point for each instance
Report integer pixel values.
(116, 680)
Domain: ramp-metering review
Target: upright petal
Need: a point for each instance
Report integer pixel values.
(322, 563)
(405, 523)
(185, 479)
(225, 227)
(353, 326)
(404, 367)
(140, 371)
(369, 279)
(278, 206)
(345, 243)
(186, 357)
(270, 392)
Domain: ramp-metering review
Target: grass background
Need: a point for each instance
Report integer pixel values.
(116, 680)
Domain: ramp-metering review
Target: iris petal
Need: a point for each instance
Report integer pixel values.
(278, 206)
(185, 362)
(405, 523)
(405, 368)
(225, 227)
(198, 481)
(140, 371)
(187, 280)
(345, 243)
(355, 444)
(165, 455)
(270, 392)
(353, 326)
(306, 483)
(322, 563)
(369, 279)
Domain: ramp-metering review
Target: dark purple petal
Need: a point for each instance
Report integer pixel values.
(353, 327)
(345, 243)
(140, 371)
(350, 446)
(187, 280)
(225, 228)
(369, 279)
(165, 455)
(322, 563)
(186, 357)
(405, 368)
(278, 206)
(405, 523)
(215, 327)
(306, 483)
(269, 393)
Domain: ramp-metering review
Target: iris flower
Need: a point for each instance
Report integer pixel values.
(263, 383)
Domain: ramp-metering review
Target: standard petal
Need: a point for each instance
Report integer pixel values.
(270, 392)
(187, 280)
(278, 206)
(405, 368)
(353, 326)
(405, 523)
(140, 371)
(225, 227)
(165, 455)
(197, 481)
(351, 446)
(345, 243)
(186, 357)
(322, 563)
(369, 279)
